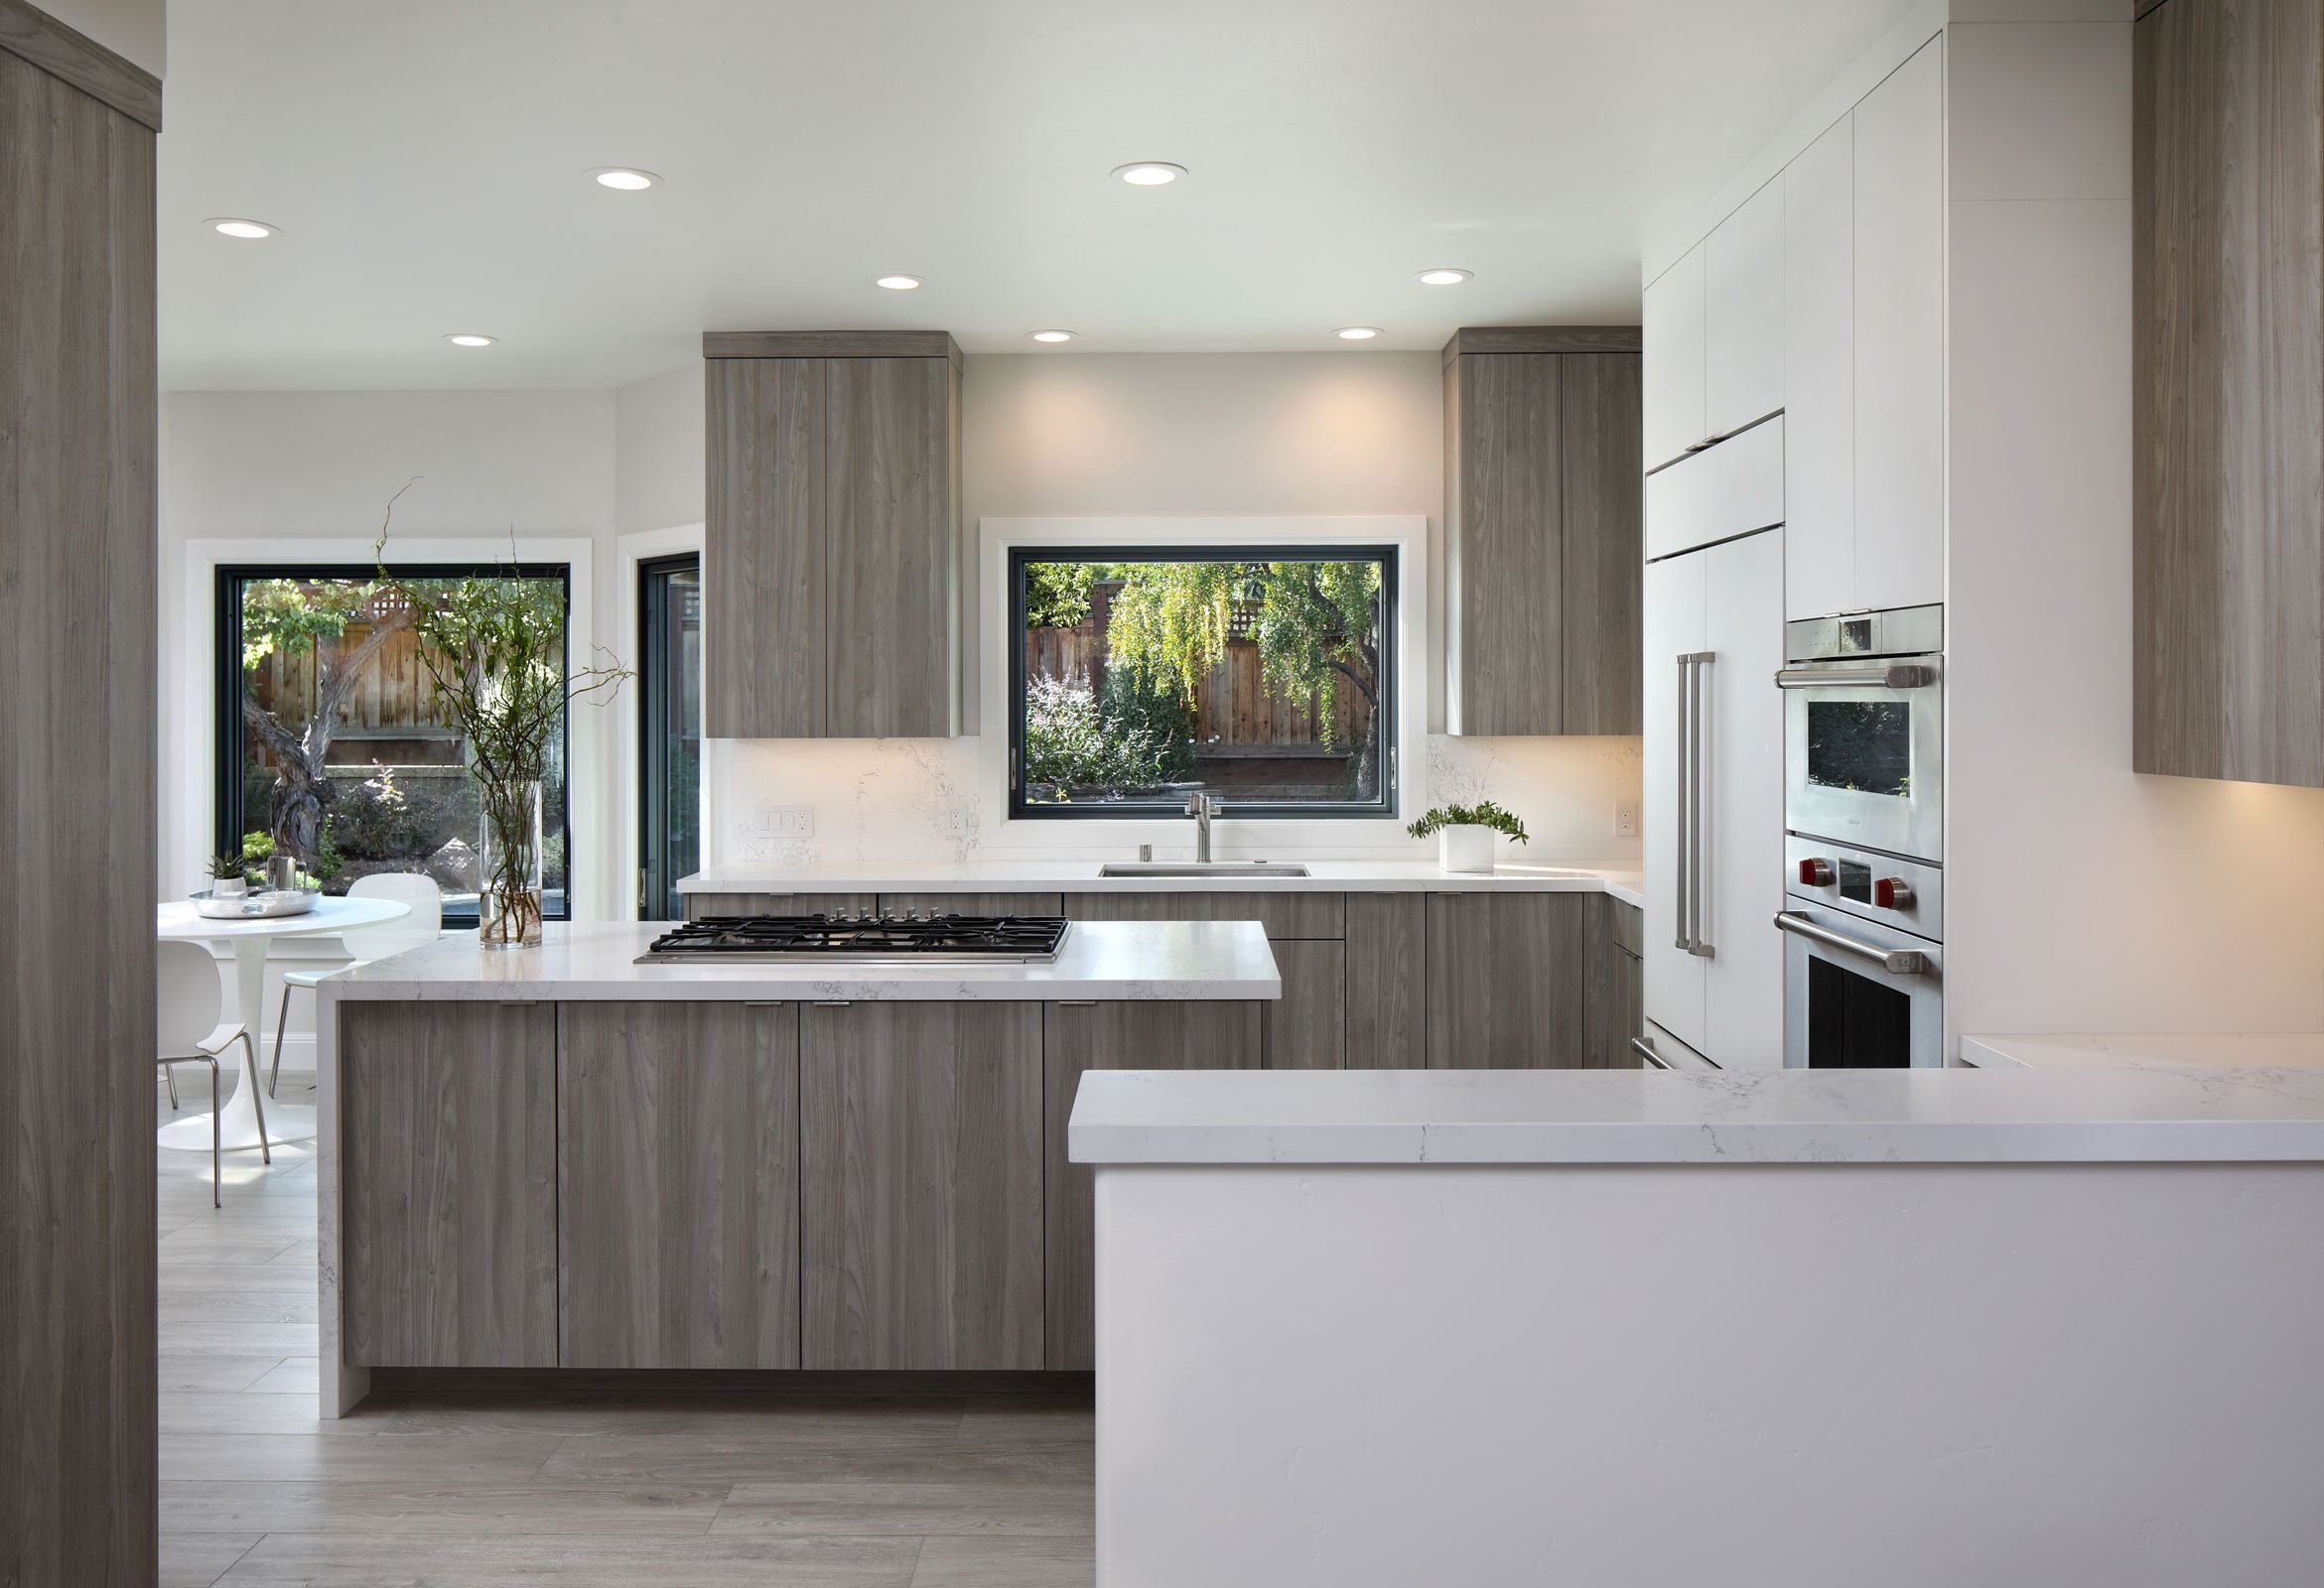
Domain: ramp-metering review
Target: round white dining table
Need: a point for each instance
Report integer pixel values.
(249, 936)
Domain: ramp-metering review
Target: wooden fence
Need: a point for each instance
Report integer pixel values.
(394, 692)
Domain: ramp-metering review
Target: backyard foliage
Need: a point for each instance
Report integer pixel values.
(1127, 735)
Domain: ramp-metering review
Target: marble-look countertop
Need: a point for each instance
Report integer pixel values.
(2245, 1050)
(1611, 1116)
(585, 961)
(1081, 876)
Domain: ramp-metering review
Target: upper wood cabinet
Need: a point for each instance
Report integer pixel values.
(831, 551)
(2228, 360)
(1541, 530)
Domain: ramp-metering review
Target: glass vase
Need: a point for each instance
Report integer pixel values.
(508, 889)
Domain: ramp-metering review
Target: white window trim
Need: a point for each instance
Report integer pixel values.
(631, 553)
(189, 803)
(1408, 534)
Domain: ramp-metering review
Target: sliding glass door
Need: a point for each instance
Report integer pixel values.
(669, 676)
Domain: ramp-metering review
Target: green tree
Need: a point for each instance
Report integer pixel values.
(1312, 622)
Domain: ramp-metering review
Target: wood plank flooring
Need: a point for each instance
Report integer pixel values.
(606, 1484)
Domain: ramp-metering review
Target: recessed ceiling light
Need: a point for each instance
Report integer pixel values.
(234, 226)
(1150, 172)
(623, 179)
(1442, 276)
(468, 338)
(1357, 333)
(1050, 335)
(897, 283)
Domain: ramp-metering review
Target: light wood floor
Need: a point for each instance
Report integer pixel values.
(602, 1487)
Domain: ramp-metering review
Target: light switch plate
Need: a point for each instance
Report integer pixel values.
(782, 821)
(1625, 819)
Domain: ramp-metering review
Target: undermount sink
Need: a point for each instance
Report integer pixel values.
(1199, 869)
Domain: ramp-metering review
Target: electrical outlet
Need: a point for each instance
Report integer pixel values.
(956, 820)
(1625, 819)
(782, 821)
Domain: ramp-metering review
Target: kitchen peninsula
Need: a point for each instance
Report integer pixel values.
(559, 1157)
(1908, 1327)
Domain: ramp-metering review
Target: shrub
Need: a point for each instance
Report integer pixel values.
(1129, 735)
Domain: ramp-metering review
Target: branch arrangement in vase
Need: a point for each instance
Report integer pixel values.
(492, 646)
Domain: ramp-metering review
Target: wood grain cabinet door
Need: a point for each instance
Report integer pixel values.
(765, 543)
(1306, 1028)
(892, 468)
(448, 1147)
(920, 1185)
(678, 1185)
(1387, 981)
(1080, 1038)
(1505, 981)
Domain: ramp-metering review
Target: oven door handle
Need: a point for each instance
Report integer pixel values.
(1906, 675)
(1899, 962)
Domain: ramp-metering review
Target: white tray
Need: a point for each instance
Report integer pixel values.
(254, 906)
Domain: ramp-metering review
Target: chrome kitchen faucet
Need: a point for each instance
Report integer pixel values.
(1204, 808)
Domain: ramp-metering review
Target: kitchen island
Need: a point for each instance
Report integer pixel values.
(1898, 1327)
(561, 1158)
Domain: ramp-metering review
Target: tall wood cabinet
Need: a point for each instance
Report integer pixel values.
(2228, 360)
(1542, 529)
(76, 652)
(831, 550)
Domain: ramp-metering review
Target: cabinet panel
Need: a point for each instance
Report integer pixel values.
(920, 1185)
(1078, 1037)
(1505, 981)
(1673, 330)
(1610, 1003)
(1899, 233)
(1676, 593)
(764, 642)
(1602, 504)
(448, 1148)
(1387, 981)
(1742, 314)
(1284, 915)
(1742, 828)
(1819, 327)
(1306, 1028)
(1717, 493)
(1506, 572)
(678, 1185)
(2227, 366)
(891, 462)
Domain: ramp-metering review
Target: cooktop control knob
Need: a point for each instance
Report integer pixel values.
(1816, 873)
(1892, 893)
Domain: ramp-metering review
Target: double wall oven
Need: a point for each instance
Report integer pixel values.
(1864, 846)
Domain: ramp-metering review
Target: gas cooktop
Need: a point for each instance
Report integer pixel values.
(841, 939)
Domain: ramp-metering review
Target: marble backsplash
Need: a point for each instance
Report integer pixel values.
(943, 800)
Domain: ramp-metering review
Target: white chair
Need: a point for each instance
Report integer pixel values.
(187, 1001)
(370, 943)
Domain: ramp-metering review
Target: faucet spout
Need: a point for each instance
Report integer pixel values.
(1204, 808)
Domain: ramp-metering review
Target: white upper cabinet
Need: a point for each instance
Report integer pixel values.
(1742, 314)
(1898, 233)
(1671, 316)
(1818, 376)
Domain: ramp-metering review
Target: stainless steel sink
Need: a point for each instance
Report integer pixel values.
(1199, 869)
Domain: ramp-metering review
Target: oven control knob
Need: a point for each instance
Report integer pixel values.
(1816, 873)
(1892, 893)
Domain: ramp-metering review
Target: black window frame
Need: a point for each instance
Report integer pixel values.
(1385, 807)
(653, 794)
(229, 819)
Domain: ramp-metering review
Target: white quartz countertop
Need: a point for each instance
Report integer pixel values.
(1159, 960)
(2177, 1051)
(1612, 1116)
(1081, 876)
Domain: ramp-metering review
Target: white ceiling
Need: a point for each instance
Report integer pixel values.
(425, 159)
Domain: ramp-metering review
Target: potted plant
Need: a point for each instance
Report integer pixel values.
(226, 878)
(1464, 833)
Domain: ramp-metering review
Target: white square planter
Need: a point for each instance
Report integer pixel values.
(1466, 849)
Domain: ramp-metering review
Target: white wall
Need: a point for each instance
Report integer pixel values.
(2081, 895)
(1135, 435)
(135, 30)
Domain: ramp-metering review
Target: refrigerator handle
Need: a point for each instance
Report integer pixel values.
(1684, 828)
(1697, 798)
